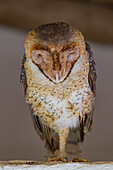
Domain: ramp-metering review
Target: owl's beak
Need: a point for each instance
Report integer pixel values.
(56, 76)
(56, 67)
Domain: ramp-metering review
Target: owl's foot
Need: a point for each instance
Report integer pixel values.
(79, 160)
(57, 158)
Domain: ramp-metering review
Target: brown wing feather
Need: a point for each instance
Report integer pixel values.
(88, 117)
(51, 138)
(92, 71)
(23, 78)
(86, 120)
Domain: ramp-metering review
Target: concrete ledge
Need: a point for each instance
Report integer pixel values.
(19, 164)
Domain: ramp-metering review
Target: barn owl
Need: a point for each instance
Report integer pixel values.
(59, 77)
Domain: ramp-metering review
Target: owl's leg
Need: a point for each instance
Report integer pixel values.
(62, 155)
(63, 135)
(79, 155)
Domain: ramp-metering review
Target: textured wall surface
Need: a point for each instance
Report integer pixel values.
(93, 17)
(18, 139)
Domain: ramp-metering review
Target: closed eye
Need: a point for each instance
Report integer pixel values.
(37, 56)
(71, 54)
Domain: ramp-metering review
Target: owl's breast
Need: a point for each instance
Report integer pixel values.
(61, 105)
(78, 100)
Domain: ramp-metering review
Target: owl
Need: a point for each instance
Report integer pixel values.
(59, 77)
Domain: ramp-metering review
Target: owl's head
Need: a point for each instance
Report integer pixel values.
(54, 49)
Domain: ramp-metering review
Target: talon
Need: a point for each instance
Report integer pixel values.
(63, 159)
(79, 160)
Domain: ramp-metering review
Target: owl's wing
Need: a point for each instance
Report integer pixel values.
(86, 120)
(45, 133)
(51, 138)
(92, 71)
(77, 135)
(23, 78)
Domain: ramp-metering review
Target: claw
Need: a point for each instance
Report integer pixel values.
(58, 158)
(79, 160)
